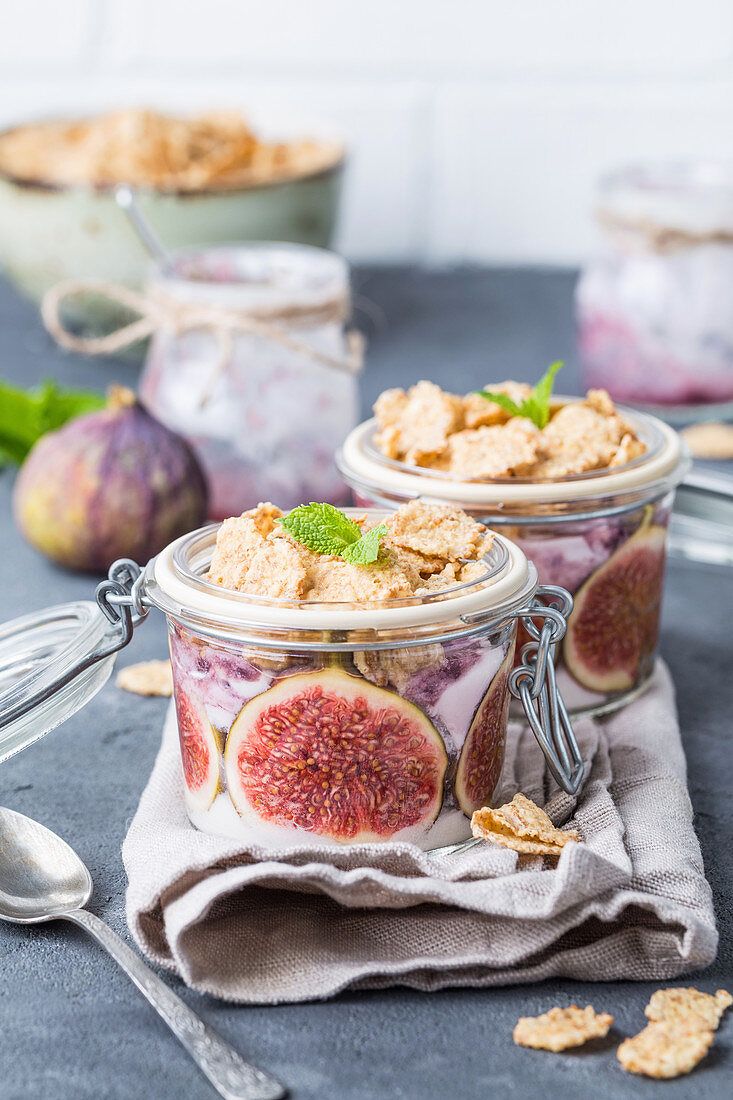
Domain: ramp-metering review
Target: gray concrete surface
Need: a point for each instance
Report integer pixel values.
(72, 1027)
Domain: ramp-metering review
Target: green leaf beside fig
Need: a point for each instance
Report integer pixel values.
(26, 415)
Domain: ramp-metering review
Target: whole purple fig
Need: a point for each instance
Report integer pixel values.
(110, 484)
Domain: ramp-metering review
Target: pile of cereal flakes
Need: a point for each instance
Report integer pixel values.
(473, 437)
(679, 1036)
(682, 1021)
(428, 548)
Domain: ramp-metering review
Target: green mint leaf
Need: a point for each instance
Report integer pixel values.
(502, 400)
(539, 402)
(536, 407)
(366, 550)
(26, 415)
(325, 530)
(543, 390)
(321, 527)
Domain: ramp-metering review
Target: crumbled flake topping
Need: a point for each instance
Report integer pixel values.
(428, 548)
(415, 426)
(472, 437)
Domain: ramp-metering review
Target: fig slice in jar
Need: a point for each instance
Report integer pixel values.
(613, 630)
(482, 755)
(332, 754)
(200, 750)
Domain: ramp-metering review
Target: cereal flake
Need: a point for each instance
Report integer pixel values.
(689, 1006)
(507, 450)
(147, 678)
(237, 542)
(522, 826)
(278, 570)
(664, 1050)
(562, 1028)
(435, 530)
(414, 426)
(711, 440)
(395, 667)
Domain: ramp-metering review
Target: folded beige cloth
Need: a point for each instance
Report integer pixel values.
(248, 925)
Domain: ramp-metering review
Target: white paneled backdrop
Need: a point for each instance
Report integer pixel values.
(477, 126)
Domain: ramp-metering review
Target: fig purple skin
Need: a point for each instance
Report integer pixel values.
(110, 484)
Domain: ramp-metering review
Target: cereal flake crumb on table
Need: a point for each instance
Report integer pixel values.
(147, 678)
(689, 1005)
(562, 1028)
(665, 1049)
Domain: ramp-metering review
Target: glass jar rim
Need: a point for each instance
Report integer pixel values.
(662, 467)
(689, 196)
(306, 274)
(175, 584)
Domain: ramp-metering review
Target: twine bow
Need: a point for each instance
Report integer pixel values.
(160, 310)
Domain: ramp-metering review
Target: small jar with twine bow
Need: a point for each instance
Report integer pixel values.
(655, 323)
(249, 359)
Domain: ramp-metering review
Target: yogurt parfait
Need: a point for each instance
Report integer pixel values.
(342, 678)
(584, 487)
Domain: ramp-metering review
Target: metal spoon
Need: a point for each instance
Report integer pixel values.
(125, 199)
(42, 879)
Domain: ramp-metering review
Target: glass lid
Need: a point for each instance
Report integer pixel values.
(53, 661)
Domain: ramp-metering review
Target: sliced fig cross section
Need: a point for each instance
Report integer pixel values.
(482, 755)
(200, 750)
(333, 754)
(613, 630)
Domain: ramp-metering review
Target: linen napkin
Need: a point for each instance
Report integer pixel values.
(249, 925)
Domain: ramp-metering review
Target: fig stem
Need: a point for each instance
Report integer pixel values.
(120, 397)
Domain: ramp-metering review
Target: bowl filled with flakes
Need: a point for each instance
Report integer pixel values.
(203, 179)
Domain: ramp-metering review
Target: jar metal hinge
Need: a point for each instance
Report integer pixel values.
(121, 599)
(533, 682)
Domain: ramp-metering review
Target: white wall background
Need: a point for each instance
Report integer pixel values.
(477, 126)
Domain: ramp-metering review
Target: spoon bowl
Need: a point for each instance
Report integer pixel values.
(41, 877)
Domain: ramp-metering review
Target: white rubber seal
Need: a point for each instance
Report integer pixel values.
(515, 582)
(365, 472)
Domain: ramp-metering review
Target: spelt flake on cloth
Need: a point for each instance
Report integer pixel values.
(251, 925)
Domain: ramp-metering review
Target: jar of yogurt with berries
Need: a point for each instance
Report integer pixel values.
(584, 488)
(653, 306)
(251, 362)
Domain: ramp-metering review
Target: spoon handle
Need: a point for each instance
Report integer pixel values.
(231, 1076)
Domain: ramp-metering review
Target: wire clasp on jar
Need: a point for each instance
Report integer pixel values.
(120, 598)
(533, 682)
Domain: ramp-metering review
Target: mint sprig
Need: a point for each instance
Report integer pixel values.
(26, 415)
(326, 530)
(536, 407)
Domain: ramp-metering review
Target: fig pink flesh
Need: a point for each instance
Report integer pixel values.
(614, 627)
(332, 754)
(199, 749)
(482, 756)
